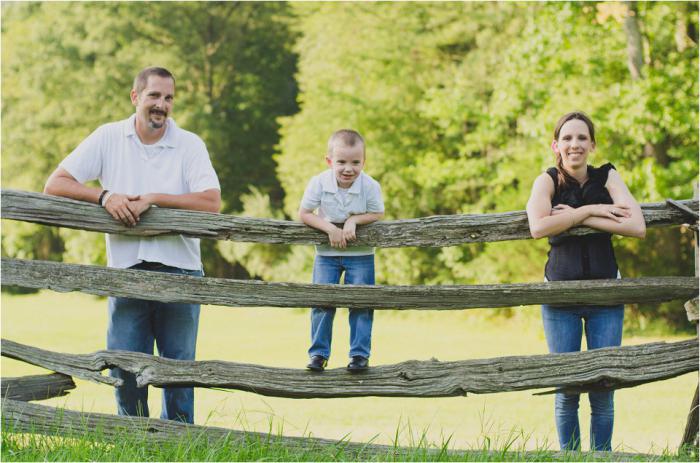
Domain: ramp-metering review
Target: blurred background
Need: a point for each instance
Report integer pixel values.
(457, 102)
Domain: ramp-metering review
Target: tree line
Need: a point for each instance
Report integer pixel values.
(457, 102)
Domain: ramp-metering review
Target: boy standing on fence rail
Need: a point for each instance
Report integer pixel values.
(143, 161)
(346, 196)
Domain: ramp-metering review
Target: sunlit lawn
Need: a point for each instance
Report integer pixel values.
(648, 418)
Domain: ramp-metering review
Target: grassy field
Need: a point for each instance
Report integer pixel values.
(649, 418)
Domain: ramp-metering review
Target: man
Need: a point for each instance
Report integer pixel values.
(143, 161)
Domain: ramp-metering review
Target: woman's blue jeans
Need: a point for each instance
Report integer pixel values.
(563, 327)
(134, 325)
(359, 270)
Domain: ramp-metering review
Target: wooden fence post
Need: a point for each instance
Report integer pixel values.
(690, 434)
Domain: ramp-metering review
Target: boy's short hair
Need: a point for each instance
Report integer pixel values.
(347, 137)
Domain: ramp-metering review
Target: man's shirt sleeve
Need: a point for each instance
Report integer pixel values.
(200, 173)
(84, 163)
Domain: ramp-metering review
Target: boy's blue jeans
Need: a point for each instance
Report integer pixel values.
(359, 270)
(563, 327)
(134, 324)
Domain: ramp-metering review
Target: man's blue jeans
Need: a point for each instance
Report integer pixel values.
(134, 325)
(359, 270)
(563, 327)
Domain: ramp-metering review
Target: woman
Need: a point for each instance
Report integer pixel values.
(571, 194)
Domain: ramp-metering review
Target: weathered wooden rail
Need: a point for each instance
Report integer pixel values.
(166, 287)
(435, 231)
(39, 419)
(36, 387)
(611, 368)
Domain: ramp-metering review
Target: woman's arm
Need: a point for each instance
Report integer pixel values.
(545, 221)
(539, 211)
(634, 224)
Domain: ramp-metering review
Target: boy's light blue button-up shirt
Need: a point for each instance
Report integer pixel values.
(334, 205)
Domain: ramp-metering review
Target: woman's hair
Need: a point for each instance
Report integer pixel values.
(564, 177)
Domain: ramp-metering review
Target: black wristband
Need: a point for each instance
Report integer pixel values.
(102, 195)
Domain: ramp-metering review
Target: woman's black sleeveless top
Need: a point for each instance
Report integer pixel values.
(587, 257)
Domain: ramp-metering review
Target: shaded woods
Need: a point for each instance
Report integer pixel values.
(456, 101)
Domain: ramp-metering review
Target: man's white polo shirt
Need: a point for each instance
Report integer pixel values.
(178, 163)
(335, 205)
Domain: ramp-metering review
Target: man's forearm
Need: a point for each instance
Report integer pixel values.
(58, 185)
(206, 201)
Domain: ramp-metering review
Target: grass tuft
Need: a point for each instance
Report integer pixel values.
(137, 444)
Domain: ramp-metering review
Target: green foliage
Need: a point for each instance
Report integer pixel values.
(68, 68)
(269, 262)
(458, 115)
(457, 102)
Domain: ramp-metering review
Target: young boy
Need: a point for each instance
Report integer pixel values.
(346, 196)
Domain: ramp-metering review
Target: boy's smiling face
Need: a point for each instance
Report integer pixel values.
(347, 163)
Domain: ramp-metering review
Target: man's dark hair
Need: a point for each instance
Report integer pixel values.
(141, 79)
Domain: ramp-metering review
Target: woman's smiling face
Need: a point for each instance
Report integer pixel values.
(574, 144)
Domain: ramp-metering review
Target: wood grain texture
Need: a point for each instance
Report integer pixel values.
(690, 432)
(166, 287)
(691, 309)
(434, 231)
(40, 419)
(36, 387)
(613, 368)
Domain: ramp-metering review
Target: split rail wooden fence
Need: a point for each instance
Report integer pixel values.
(611, 368)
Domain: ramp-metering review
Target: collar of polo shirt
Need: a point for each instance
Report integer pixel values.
(330, 184)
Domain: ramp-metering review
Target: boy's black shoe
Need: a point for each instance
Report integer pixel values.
(317, 363)
(358, 363)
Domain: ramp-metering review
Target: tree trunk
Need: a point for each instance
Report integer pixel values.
(635, 51)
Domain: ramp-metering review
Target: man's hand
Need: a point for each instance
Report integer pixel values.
(349, 230)
(141, 204)
(124, 208)
(337, 238)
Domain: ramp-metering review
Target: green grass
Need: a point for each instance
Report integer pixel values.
(136, 445)
(649, 418)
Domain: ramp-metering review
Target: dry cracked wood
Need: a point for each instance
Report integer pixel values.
(165, 287)
(434, 231)
(40, 419)
(36, 387)
(690, 433)
(603, 368)
(78, 366)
